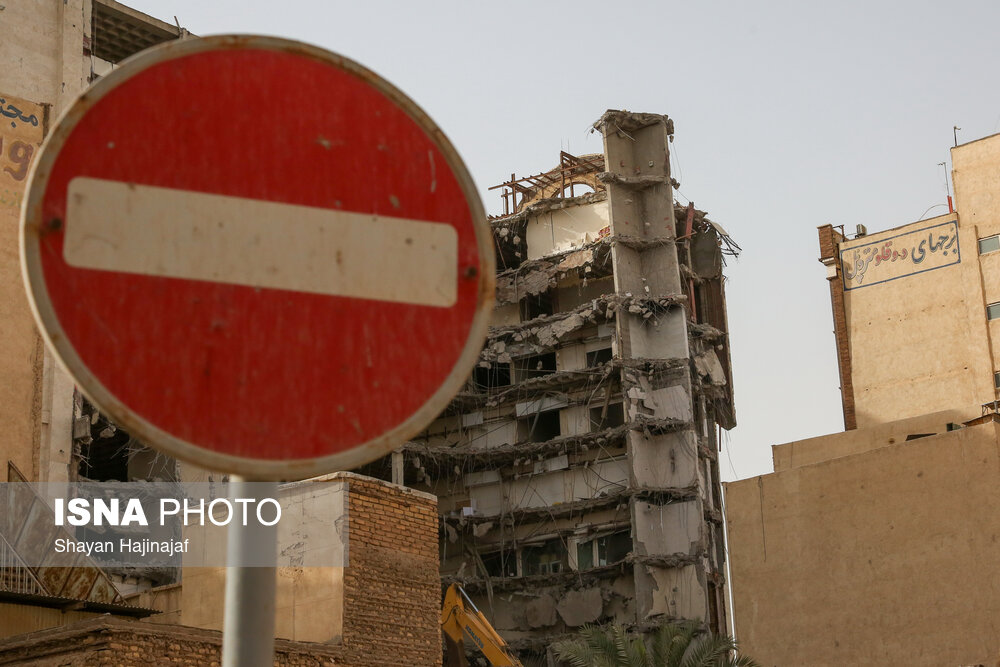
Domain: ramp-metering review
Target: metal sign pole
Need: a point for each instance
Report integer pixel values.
(248, 636)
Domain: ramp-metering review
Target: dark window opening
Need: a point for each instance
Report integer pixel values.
(106, 457)
(549, 558)
(598, 357)
(697, 305)
(536, 366)
(539, 427)
(600, 420)
(585, 555)
(604, 550)
(617, 546)
(495, 375)
(500, 564)
(537, 305)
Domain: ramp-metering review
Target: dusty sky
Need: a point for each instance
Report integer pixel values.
(788, 116)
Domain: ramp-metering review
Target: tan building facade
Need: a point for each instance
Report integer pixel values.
(875, 545)
(51, 51)
(382, 608)
(926, 288)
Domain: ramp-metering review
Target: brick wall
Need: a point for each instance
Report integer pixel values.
(122, 643)
(829, 251)
(392, 603)
(392, 590)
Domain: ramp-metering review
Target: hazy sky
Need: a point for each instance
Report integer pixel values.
(787, 115)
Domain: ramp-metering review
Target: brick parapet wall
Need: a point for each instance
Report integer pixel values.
(392, 575)
(391, 603)
(829, 251)
(115, 641)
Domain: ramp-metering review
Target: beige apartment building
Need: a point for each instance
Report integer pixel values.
(877, 545)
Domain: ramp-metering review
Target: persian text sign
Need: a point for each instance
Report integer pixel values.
(21, 132)
(905, 254)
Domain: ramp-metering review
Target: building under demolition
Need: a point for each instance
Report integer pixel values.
(577, 473)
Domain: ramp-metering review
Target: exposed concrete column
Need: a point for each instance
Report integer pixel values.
(670, 536)
(57, 415)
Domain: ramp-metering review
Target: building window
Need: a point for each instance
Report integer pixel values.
(536, 366)
(491, 376)
(533, 306)
(539, 427)
(601, 419)
(996, 379)
(993, 311)
(550, 558)
(604, 550)
(500, 564)
(598, 357)
(989, 244)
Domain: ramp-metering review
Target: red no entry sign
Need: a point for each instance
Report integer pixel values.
(257, 256)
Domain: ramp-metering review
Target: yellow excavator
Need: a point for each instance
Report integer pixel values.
(460, 618)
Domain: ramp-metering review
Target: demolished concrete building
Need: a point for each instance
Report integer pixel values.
(577, 472)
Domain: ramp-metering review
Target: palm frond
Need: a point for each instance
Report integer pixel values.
(681, 644)
(708, 651)
(620, 637)
(575, 652)
(670, 643)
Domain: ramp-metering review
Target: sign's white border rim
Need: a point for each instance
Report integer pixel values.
(99, 395)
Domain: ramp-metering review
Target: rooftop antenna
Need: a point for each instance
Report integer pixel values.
(947, 190)
(954, 132)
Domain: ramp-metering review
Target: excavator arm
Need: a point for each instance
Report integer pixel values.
(460, 618)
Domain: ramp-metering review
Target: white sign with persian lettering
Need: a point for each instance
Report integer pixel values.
(899, 256)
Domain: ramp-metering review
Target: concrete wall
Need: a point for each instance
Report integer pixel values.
(561, 229)
(21, 352)
(826, 447)
(976, 175)
(880, 558)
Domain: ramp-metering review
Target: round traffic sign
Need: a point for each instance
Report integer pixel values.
(257, 256)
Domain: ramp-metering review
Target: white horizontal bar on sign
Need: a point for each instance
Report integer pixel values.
(140, 229)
